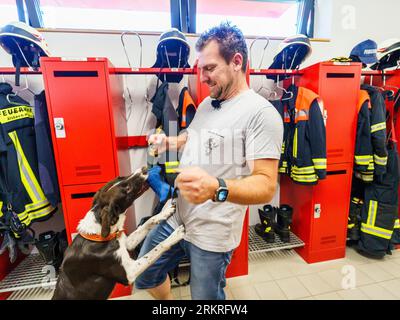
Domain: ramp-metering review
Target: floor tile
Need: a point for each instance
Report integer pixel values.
(259, 273)
(293, 288)
(333, 277)
(141, 295)
(315, 284)
(393, 286)
(245, 293)
(270, 291)
(390, 267)
(328, 296)
(352, 294)
(374, 271)
(377, 292)
(238, 282)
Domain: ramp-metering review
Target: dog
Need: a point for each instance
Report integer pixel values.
(98, 257)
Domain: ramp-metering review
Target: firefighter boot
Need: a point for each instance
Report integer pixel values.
(283, 222)
(353, 225)
(265, 228)
(48, 247)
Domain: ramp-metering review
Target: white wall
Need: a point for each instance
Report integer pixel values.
(345, 22)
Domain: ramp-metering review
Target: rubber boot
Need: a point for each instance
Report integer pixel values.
(353, 225)
(49, 249)
(283, 222)
(265, 229)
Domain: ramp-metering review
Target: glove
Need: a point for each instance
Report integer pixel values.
(162, 189)
(10, 244)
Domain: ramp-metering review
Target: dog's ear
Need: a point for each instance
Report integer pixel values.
(109, 216)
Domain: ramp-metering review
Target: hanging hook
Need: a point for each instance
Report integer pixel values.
(126, 52)
(284, 90)
(265, 47)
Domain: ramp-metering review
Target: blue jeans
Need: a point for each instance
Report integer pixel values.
(207, 269)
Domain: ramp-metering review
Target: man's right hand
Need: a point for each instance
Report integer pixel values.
(158, 142)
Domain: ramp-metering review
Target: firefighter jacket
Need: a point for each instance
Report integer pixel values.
(20, 190)
(305, 145)
(378, 129)
(363, 154)
(379, 212)
(172, 122)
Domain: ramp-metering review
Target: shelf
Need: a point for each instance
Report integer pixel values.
(32, 272)
(258, 244)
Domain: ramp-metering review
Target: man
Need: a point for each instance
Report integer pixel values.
(230, 160)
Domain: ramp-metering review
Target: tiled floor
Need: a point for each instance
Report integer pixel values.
(283, 275)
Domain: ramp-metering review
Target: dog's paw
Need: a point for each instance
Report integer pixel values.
(177, 235)
(164, 215)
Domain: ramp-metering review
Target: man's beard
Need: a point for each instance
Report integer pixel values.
(217, 94)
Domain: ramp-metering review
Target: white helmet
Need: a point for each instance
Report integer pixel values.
(24, 43)
(388, 54)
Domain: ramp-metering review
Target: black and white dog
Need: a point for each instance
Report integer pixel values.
(98, 257)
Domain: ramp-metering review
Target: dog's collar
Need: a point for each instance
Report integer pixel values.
(99, 238)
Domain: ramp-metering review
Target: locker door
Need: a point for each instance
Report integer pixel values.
(80, 110)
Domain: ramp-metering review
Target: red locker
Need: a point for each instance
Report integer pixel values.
(320, 211)
(86, 114)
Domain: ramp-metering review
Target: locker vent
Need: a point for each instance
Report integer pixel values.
(93, 170)
(327, 240)
(335, 153)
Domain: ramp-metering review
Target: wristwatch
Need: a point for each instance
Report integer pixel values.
(221, 194)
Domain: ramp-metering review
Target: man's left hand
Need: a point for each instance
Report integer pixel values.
(196, 185)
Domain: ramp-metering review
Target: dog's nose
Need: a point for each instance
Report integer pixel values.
(144, 170)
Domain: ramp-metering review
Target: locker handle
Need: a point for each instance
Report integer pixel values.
(331, 173)
(339, 75)
(83, 195)
(69, 74)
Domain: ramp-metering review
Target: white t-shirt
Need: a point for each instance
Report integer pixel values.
(246, 127)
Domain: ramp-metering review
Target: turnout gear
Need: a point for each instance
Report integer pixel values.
(186, 109)
(265, 229)
(353, 225)
(20, 192)
(380, 210)
(283, 222)
(304, 155)
(378, 129)
(173, 51)
(363, 154)
(25, 44)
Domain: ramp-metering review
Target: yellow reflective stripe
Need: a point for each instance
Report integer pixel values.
(295, 143)
(33, 207)
(284, 164)
(15, 113)
(363, 160)
(268, 229)
(397, 224)
(373, 207)
(27, 176)
(319, 164)
(303, 170)
(350, 226)
(380, 160)
(282, 170)
(375, 231)
(28, 216)
(378, 126)
(298, 178)
(171, 163)
(1, 207)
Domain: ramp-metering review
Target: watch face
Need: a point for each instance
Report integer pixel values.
(222, 195)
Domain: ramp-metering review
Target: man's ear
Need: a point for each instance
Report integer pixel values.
(237, 61)
(109, 217)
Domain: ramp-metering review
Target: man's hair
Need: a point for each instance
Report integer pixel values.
(230, 41)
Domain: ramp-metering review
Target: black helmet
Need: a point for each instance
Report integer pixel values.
(173, 51)
(24, 43)
(292, 51)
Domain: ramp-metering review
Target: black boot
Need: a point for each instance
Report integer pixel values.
(265, 228)
(49, 249)
(353, 224)
(283, 222)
